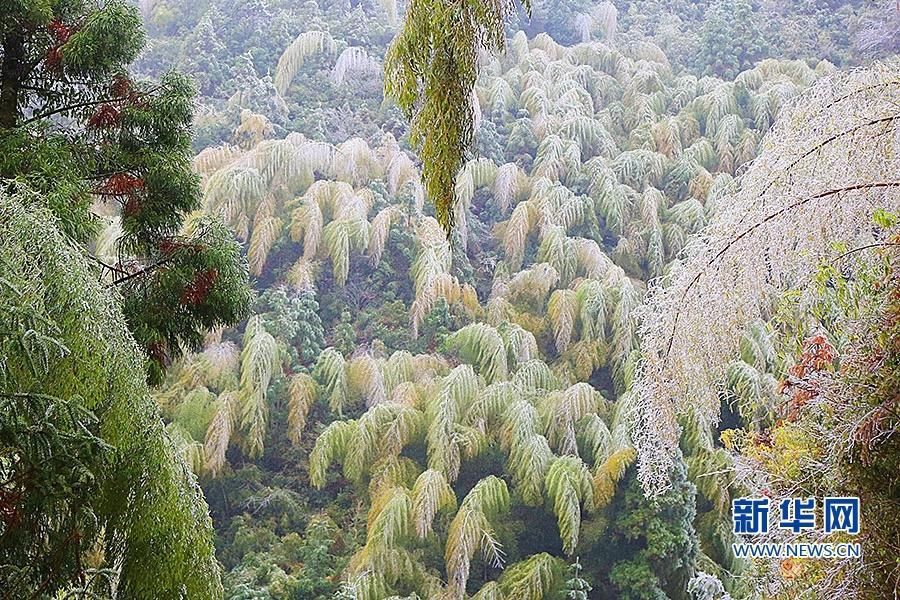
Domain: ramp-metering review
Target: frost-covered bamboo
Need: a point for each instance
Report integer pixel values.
(828, 164)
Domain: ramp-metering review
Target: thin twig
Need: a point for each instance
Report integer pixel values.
(866, 247)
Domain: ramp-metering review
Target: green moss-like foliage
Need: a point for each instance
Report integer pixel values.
(86, 464)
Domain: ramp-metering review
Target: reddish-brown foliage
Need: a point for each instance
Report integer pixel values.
(10, 514)
(120, 184)
(198, 289)
(159, 352)
(121, 86)
(132, 207)
(53, 59)
(104, 117)
(801, 385)
(168, 246)
(61, 32)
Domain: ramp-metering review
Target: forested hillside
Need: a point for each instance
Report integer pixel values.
(671, 281)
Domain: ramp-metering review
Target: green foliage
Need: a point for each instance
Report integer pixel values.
(870, 383)
(652, 544)
(472, 530)
(88, 465)
(126, 146)
(116, 30)
(731, 39)
(577, 588)
(568, 487)
(534, 578)
(485, 359)
(711, 468)
(294, 319)
(482, 345)
(430, 70)
(258, 364)
(292, 566)
(344, 334)
(61, 456)
(809, 31)
(831, 406)
(196, 286)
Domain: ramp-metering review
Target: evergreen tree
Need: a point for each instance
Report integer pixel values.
(521, 144)
(660, 534)
(249, 90)
(437, 325)
(294, 319)
(204, 60)
(79, 130)
(345, 334)
(577, 588)
(731, 40)
(488, 142)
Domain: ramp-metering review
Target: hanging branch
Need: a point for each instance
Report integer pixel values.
(746, 232)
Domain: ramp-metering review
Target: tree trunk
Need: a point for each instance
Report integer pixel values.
(10, 77)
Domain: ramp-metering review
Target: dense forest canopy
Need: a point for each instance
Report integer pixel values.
(670, 282)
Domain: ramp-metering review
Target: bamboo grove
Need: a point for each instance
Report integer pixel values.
(538, 289)
(597, 163)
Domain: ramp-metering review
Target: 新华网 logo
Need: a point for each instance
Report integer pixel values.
(755, 516)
